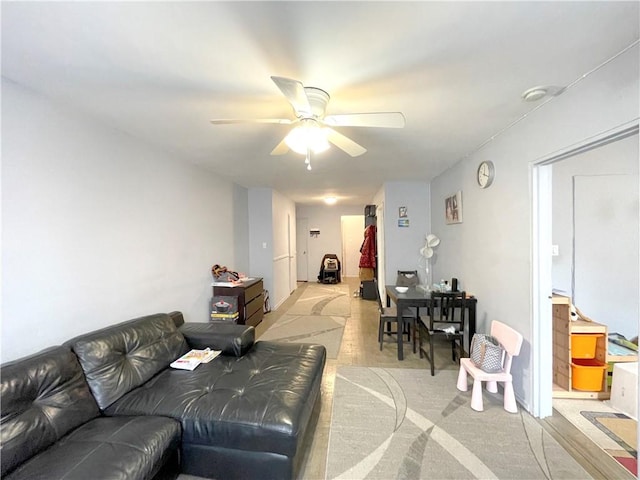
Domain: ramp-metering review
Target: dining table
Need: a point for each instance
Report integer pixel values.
(419, 297)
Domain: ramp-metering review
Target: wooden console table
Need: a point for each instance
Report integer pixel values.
(250, 299)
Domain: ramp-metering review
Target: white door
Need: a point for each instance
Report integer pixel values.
(302, 249)
(606, 245)
(352, 238)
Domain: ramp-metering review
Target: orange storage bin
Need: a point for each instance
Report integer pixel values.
(583, 345)
(587, 374)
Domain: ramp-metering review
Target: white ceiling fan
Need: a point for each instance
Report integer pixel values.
(314, 130)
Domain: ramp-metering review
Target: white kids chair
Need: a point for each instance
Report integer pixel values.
(511, 342)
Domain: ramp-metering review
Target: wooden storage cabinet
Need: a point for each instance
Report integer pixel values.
(563, 328)
(250, 300)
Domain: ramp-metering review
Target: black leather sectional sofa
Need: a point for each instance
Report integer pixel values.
(106, 405)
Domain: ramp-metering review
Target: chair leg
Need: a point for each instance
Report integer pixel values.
(476, 396)
(414, 327)
(462, 380)
(510, 404)
(492, 386)
(431, 359)
(381, 333)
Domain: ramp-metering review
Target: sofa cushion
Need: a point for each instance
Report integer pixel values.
(261, 401)
(115, 448)
(230, 338)
(119, 358)
(43, 397)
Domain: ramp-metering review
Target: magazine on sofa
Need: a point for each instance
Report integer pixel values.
(192, 359)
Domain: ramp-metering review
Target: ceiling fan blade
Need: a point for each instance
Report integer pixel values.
(231, 121)
(344, 143)
(293, 90)
(375, 119)
(281, 148)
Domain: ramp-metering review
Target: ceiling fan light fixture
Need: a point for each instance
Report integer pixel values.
(330, 200)
(307, 136)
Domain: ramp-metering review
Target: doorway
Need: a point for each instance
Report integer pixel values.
(352, 227)
(302, 249)
(543, 275)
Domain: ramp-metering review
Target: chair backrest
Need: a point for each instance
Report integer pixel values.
(448, 307)
(510, 340)
(407, 278)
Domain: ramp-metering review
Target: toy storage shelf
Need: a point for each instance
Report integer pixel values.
(563, 328)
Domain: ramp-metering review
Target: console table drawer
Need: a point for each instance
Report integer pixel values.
(254, 305)
(253, 291)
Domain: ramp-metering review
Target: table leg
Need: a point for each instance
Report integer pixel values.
(400, 331)
(472, 326)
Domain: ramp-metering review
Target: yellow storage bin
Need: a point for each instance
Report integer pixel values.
(583, 345)
(587, 374)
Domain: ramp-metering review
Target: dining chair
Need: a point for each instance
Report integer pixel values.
(407, 278)
(445, 319)
(388, 316)
(511, 342)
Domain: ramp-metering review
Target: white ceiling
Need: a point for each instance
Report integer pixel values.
(161, 70)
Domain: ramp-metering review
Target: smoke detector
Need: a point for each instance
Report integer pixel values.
(538, 93)
(534, 94)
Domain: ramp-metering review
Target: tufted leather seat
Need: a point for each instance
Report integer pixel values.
(106, 405)
(51, 427)
(255, 402)
(245, 413)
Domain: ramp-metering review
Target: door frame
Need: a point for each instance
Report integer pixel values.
(351, 226)
(302, 245)
(540, 174)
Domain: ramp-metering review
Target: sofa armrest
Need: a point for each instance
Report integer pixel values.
(177, 318)
(232, 339)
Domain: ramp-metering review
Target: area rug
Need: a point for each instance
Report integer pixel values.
(622, 430)
(321, 299)
(613, 432)
(405, 424)
(325, 330)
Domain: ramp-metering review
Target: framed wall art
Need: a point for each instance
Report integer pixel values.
(453, 208)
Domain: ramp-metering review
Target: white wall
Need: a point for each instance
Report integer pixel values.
(272, 241)
(327, 219)
(261, 236)
(240, 207)
(403, 244)
(98, 228)
(490, 251)
(614, 300)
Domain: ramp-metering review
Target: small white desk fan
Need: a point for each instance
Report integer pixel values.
(426, 252)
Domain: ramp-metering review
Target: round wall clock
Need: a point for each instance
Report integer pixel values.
(486, 174)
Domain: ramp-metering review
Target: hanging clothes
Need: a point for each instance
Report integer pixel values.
(368, 253)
